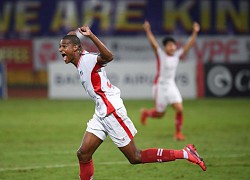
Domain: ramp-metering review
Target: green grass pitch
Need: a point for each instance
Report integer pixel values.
(39, 139)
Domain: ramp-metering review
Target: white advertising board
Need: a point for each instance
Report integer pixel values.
(228, 49)
(64, 82)
(135, 79)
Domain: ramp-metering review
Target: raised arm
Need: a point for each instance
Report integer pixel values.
(105, 54)
(190, 42)
(150, 36)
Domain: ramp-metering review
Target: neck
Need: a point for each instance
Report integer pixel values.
(76, 59)
(169, 54)
(76, 62)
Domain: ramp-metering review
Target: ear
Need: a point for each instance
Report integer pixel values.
(75, 48)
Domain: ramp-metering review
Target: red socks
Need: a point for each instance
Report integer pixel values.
(178, 121)
(147, 156)
(152, 113)
(179, 154)
(160, 155)
(86, 170)
(178, 118)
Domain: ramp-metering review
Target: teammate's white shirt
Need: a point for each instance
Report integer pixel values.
(167, 66)
(94, 80)
(165, 90)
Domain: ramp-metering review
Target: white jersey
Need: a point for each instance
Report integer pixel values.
(166, 66)
(95, 82)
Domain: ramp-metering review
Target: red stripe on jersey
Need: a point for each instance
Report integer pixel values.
(96, 82)
(157, 69)
(157, 77)
(155, 95)
(119, 119)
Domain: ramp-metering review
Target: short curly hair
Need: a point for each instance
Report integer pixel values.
(74, 40)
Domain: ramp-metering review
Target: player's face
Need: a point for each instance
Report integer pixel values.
(170, 48)
(66, 48)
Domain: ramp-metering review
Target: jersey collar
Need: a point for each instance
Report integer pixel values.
(79, 61)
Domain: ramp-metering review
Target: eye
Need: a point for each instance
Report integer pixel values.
(62, 46)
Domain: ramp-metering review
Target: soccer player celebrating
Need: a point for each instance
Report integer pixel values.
(110, 117)
(165, 89)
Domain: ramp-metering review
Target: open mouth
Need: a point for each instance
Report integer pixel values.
(64, 56)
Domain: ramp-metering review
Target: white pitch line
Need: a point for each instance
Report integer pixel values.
(56, 166)
(102, 163)
(37, 167)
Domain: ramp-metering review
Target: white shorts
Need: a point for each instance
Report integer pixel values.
(117, 125)
(165, 95)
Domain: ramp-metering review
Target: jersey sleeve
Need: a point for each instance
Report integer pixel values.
(160, 54)
(90, 60)
(179, 52)
(159, 51)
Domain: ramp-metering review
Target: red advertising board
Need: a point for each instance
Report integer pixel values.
(17, 54)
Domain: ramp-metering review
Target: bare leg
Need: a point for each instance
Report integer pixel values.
(88, 146)
(178, 107)
(132, 153)
(136, 156)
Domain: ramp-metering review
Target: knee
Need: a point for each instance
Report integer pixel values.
(83, 155)
(179, 109)
(160, 114)
(136, 158)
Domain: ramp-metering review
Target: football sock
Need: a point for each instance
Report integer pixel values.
(152, 113)
(86, 170)
(179, 154)
(160, 155)
(178, 121)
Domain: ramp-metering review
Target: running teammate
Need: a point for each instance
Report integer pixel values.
(110, 117)
(165, 89)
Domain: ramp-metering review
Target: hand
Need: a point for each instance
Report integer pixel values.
(196, 27)
(85, 30)
(146, 26)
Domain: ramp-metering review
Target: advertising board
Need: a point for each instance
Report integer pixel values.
(227, 80)
(135, 80)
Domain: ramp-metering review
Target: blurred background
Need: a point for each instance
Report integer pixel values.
(218, 65)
